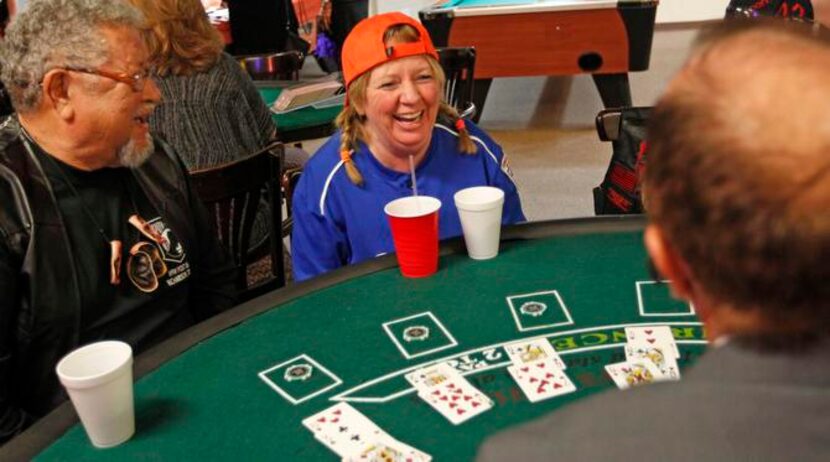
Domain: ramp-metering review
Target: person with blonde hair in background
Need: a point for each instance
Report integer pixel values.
(210, 110)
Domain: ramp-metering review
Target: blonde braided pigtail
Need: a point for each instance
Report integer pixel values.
(465, 143)
(348, 141)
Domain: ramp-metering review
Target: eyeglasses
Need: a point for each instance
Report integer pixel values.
(135, 81)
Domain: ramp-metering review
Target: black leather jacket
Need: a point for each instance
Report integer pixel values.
(39, 292)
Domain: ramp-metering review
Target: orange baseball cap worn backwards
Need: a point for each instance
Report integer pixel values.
(364, 49)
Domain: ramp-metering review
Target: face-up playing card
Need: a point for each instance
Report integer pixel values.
(629, 374)
(343, 429)
(431, 376)
(389, 450)
(456, 399)
(541, 380)
(532, 351)
(652, 336)
(354, 437)
(661, 356)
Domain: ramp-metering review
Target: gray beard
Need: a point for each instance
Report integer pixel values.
(131, 157)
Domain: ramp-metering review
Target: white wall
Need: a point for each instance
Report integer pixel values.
(669, 11)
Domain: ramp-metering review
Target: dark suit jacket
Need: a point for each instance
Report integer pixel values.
(737, 403)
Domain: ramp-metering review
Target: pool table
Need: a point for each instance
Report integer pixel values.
(605, 38)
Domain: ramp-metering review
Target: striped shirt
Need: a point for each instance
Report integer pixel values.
(213, 117)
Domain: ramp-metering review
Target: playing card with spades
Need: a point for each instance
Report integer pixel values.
(343, 429)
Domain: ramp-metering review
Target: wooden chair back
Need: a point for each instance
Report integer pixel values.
(233, 194)
(459, 67)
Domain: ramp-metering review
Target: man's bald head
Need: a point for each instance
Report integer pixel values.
(738, 176)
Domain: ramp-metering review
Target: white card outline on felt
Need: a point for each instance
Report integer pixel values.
(295, 401)
(642, 308)
(453, 343)
(517, 317)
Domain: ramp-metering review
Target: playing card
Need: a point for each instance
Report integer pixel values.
(652, 336)
(661, 356)
(541, 380)
(532, 351)
(343, 429)
(629, 374)
(430, 376)
(389, 450)
(456, 399)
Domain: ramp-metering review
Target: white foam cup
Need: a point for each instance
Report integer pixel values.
(99, 380)
(480, 209)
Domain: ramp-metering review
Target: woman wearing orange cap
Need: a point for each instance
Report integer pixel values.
(394, 112)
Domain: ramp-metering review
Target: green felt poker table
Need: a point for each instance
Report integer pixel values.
(301, 124)
(222, 390)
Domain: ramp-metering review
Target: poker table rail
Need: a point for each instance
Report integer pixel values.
(47, 430)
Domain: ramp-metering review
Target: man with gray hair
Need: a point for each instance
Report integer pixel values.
(737, 189)
(101, 236)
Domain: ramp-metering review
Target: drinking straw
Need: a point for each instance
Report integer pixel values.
(414, 179)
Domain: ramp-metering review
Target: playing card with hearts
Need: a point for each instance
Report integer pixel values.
(457, 400)
(652, 336)
(541, 380)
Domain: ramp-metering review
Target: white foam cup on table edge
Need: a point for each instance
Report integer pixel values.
(480, 210)
(99, 380)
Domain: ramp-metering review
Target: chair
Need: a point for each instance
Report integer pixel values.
(232, 194)
(273, 66)
(625, 128)
(459, 66)
(290, 178)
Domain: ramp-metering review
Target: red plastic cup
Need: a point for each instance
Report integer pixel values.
(414, 223)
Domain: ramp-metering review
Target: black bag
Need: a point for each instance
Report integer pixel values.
(791, 9)
(619, 192)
